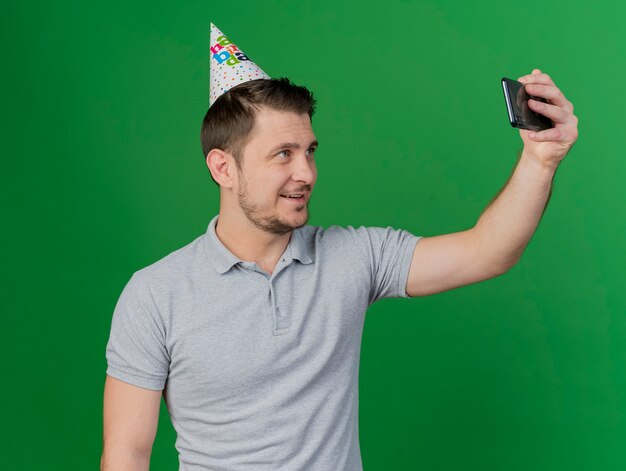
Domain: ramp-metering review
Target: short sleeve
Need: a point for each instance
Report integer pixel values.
(136, 352)
(389, 253)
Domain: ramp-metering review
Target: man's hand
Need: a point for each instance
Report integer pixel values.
(550, 146)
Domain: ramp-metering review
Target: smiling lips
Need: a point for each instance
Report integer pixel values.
(295, 197)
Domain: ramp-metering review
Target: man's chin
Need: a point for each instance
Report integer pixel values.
(289, 224)
(281, 226)
(295, 223)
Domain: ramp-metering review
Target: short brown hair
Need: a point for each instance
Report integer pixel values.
(230, 120)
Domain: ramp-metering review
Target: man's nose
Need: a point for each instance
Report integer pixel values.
(304, 169)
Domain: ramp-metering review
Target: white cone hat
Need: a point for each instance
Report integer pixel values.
(229, 66)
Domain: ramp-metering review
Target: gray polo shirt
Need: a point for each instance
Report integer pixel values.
(259, 372)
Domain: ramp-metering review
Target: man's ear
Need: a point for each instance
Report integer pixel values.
(221, 164)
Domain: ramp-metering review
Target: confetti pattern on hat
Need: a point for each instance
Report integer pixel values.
(229, 66)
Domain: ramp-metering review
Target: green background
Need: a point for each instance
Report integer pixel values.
(103, 175)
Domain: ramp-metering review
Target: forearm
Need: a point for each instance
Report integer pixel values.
(507, 224)
(124, 460)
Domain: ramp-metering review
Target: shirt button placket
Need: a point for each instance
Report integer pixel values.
(280, 322)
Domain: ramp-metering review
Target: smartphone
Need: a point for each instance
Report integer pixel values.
(520, 115)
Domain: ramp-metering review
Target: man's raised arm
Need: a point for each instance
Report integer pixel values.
(504, 229)
(131, 416)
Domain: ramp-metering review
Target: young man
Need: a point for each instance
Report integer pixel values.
(252, 332)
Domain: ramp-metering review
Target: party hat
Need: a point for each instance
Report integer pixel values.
(229, 66)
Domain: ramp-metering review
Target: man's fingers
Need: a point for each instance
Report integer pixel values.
(552, 134)
(534, 74)
(541, 85)
(549, 92)
(564, 134)
(536, 78)
(555, 113)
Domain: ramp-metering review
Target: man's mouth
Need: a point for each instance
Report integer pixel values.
(295, 197)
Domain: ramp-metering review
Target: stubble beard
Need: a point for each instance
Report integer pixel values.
(272, 223)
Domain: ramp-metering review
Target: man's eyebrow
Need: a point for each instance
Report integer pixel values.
(292, 145)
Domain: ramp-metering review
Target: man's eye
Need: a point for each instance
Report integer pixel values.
(311, 151)
(283, 153)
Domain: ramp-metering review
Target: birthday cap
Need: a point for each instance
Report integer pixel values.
(229, 66)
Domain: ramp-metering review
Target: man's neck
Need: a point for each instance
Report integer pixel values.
(249, 243)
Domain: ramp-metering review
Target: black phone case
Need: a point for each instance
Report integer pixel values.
(520, 115)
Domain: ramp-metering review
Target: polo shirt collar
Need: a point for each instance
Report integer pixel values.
(299, 248)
